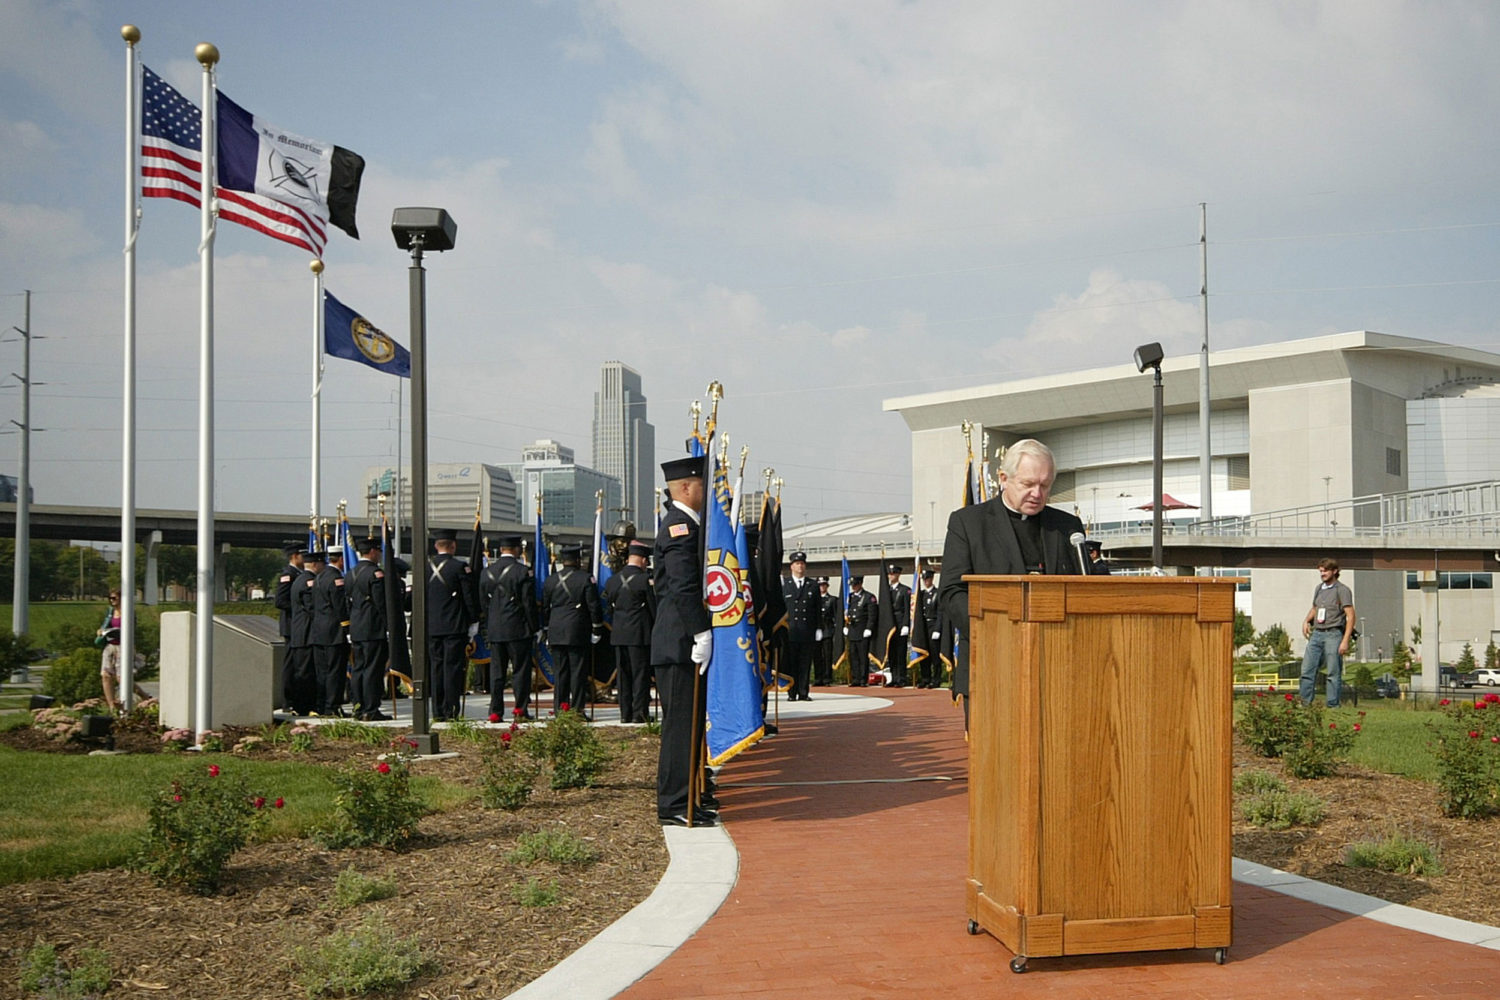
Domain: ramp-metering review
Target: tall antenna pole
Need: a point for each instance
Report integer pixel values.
(1205, 452)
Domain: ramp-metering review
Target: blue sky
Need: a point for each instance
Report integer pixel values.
(820, 204)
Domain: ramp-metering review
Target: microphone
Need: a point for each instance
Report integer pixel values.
(1077, 539)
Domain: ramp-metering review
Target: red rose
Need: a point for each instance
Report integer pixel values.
(1473, 734)
(213, 770)
(1495, 739)
(494, 716)
(516, 711)
(563, 707)
(177, 798)
(505, 737)
(1492, 698)
(1445, 701)
(1271, 688)
(278, 803)
(383, 767)
(1333, 725)
(260, 802)
(1479, 706)
(1289, 696)
(1356, 727)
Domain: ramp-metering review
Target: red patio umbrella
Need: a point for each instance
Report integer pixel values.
(1169, 502)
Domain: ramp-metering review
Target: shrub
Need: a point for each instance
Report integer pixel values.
(75, 677)
(509, 773)
(1309, 746)
(572, 750)
(300, 738)
(558, 846)
(16, 651)
(351, 888)
(1402, 855)
(374, 805)
(61, 724)
(1256, 782)
(371, 957)
(1278, 810)
(196, 825)
(44, 974)
(1466, 742)
(68, 636)
(535, 894)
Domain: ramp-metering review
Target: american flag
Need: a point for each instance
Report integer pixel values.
(172, 167)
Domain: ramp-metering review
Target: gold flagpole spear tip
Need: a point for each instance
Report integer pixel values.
(316, 267)
(207, 53)
(130, 33)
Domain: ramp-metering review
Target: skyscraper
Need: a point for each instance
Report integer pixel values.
(624, 442)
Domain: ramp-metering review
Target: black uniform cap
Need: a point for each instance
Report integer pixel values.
(445, 535)
(1093, 546)
(368, 545)
(293, 548)
(822, 581)
(570, 553)
(856, 579)
(797, 555)
(893, 568)
(639, 549)
(315, 555)
(684, 468)
(927, 572)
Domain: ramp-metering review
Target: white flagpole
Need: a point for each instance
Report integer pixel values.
(207, 55)
(132, 35)
(317, 388)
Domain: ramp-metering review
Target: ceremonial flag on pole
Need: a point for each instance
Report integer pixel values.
(771, 611)
(915, 653)
(844, 597)
(885, 616)
(348, 335)
(395, 614)
(542, 568)
(347, 544)
(478, 650)
(735, 721)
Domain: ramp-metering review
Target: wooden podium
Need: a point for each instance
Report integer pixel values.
(1099, 763)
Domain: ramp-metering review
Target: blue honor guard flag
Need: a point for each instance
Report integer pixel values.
(347, 334)
(735, 720)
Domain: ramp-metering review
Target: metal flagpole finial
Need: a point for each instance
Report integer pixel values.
(779, 483)
(130, 33)
(316, 266)
(381, 500)
(206, 53)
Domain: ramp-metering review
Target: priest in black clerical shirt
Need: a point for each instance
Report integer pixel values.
(1015, 533)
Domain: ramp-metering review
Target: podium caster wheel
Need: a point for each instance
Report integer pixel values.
(1018, 964)
(1220, 954)
(973, 927)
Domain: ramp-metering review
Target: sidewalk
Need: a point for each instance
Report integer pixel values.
(852, 837)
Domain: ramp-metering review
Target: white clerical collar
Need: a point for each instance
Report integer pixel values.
(1012, 509)
(690, 512)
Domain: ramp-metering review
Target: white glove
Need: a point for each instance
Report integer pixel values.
(867, 633)
(846, 629)
(905, 630)
(594, 638)
(936, 636)
(703, 648)
(818, 635)
(473, 630)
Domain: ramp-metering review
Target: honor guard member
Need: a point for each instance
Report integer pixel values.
(330, 635)
(900, 635)
(367, 632)
(309, 697)
(335, 559)
(297, 664)
(572, 622)
(507, 591)
(1098, 565)
(632, 606)
(930, 627)
(804, 626)
(452, 611)
(825, 654)
(859, 626)
(682, 637)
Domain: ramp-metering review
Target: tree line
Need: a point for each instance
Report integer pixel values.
(60, 571)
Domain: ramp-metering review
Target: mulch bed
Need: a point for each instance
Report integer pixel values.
(454, 892)
(1365, 805)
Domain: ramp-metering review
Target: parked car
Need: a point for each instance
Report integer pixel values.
(1450, 677)
(1387, 687)
(1488, 676)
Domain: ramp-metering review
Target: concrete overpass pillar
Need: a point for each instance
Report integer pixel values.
(1427, 681)
(151, 586)
(221, 567)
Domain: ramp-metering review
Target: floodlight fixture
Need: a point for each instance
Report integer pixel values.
(424, 228)
(1148, 356)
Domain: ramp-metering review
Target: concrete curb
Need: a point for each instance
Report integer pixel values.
(703, 869)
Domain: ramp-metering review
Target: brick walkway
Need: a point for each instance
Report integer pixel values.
(857, 890)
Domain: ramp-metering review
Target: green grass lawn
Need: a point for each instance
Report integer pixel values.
(1393, 735)
(64, 814)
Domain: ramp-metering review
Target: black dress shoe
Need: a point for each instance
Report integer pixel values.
(699, 819)
(771, 729)
(708, 802)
